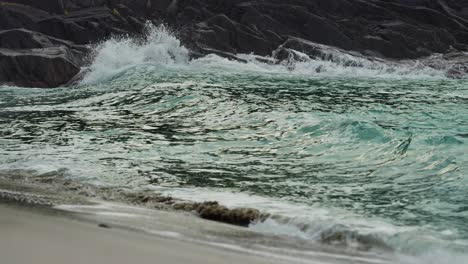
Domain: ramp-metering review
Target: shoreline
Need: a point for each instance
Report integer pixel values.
(54, 235)
(37, 236)
(52, 200)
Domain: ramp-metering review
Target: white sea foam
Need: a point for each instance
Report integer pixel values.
(295, 214)
(161, 47)
(119, 54)
(310, 222)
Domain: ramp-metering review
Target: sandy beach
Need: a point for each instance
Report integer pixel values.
(49, 219)
(32, 236)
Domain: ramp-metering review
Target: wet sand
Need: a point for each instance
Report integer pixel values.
(32, 236)
(49, 219)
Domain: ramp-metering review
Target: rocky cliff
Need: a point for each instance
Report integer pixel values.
(44, 43)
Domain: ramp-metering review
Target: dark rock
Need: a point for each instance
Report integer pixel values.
(25, 39)
(46, 46)
(149, 198)
(373, 27)
(81, 26)
(340, 235)
(157, 199)
(300, 50)
(222, 33)
(212, 210)
(32, 59)
(60, 6)
(88, 25)
(454, 63)
(237, 216)
(20, 16)
(48, 67)
(102, 225)
(52, 6)
(458, 71)
(397, 29)
(222, 54)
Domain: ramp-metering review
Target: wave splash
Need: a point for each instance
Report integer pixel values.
(161, 47)
(335, 62)
(115, 56)
(404, 242)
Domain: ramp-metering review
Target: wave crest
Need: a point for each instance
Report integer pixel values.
(116, 55)
(160, 46)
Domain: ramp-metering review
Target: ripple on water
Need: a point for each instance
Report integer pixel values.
(363, 148)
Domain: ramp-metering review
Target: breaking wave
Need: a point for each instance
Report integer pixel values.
(161, 118)
(117, 55)
(359, 233)
(340, 228)
(161, 47)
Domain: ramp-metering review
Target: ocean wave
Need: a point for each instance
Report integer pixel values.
(412, 245)
(161, 47)
(370, 160)
(115, 56)
(327, 226)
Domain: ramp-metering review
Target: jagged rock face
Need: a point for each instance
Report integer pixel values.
(33, 59)
(82, 26)
(42, 42)
(49, 67)
(400, 29)
(60, 6)
(396, 29)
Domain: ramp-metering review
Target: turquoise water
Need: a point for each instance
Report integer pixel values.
(372, 151)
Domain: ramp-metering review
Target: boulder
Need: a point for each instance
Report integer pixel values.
(299, 49)
(82, 26)
(60, 6)
(20, 16)
(26, 39)
(212, 210)
(32, 59)
(41, 68)
(454, 63)
(394, 29)
(42, 47)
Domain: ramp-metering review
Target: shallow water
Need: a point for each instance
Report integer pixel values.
(379, 151)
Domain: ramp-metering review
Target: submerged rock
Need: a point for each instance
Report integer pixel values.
(458, 64)
(54, 188)
(212, 210)
(340, 235)
(154, 198)
(454, 64)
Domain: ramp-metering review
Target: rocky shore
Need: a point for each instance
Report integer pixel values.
(27, 188)
(50, 189)
(45, 43)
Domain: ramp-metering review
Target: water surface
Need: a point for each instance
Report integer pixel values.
(376, 151)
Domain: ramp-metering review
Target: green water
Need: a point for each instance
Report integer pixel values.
(385, 156)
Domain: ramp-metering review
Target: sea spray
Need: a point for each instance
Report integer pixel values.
(340, 149)
(160, 46)
(113, 57)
